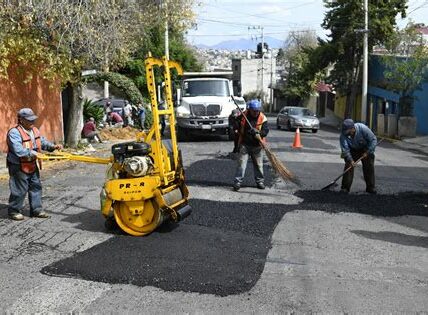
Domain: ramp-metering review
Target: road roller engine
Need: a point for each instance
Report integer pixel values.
(144, 185)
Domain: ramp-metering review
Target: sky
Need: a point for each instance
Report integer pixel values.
(220, 20)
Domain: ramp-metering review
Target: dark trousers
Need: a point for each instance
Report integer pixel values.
(368, 170)
(21, 184)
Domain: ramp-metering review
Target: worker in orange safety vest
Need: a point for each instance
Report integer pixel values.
(249, 140)
(24, 144)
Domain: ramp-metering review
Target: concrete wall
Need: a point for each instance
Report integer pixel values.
(248, 71)
(36, 94)
(377, 95)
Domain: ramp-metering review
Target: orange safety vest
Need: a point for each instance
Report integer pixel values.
(28, 164)
(260, 120)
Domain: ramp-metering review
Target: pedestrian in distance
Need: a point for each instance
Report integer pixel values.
(357, 140)
(90, 131)
(24, 144)
(127, 114)
(249, 140)
(162, 121)
(108, 108)
(141, 115)
(115, 120)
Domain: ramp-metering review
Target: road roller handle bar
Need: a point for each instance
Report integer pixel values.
(73, 157)
(166, 64)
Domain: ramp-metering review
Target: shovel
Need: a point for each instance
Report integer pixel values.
(333, 183)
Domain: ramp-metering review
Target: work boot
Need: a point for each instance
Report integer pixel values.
(236, 186)
(40, 214)
(371, 191)
(261, 186)
(16, 216)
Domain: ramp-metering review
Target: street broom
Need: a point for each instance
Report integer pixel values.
(276, 164)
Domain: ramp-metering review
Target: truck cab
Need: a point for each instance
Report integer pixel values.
(205, 102)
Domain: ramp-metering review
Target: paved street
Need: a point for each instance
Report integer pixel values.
(284, 249)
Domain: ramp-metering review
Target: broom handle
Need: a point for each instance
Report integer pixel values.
(356, 162)
(239, 108)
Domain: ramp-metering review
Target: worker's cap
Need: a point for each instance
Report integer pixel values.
(347, 125)
(92, 119)
(27, 114)
(254, 105)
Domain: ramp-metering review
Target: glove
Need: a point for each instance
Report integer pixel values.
(254, 132)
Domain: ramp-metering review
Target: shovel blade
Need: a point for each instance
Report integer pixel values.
(333, 184)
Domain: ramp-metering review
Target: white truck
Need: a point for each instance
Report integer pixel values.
(204, 103)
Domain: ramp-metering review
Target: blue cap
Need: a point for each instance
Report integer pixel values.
(347, 125)
(254, 105)
(27, 114)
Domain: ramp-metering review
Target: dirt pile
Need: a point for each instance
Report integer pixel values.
(119, 133)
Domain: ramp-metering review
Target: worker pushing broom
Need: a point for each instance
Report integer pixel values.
(252, 131)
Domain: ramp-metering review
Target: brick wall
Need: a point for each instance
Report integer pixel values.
(36, 94)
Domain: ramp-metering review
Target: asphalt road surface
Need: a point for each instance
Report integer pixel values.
(284, 249)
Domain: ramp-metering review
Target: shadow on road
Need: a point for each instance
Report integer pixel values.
(393, 237)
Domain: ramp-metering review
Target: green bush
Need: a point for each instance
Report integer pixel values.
(90, 109)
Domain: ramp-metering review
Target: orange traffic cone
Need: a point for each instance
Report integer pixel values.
(297, 144)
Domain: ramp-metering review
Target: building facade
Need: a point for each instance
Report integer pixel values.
(37, 94)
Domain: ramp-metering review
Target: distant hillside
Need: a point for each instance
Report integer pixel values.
(244, 44)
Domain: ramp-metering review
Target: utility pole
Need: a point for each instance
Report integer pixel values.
(261, 28)
(166, 31)
(163, 4)
(365, 63)
(263, 66)
(271, 81)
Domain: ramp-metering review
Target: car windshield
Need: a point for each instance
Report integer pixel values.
(300, 112)
(206, 88)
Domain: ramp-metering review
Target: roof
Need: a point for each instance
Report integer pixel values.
(213, 74)
(423, 30)
(323, 87)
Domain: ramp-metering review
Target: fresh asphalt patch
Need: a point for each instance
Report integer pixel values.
(222, 247)
(221, 172)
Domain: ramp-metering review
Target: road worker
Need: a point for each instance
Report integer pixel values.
(249, 140)
(357, 140)
(24, 144)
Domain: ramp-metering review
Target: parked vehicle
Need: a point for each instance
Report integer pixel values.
(241, 102)
(204, 104)
(118, 104)
(292, 118)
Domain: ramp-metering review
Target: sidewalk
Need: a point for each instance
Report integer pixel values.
(418, 144)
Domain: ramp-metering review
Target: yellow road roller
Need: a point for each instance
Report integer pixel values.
(145, 179)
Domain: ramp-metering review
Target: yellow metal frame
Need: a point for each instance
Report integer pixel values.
(162, 155)
(139, 204)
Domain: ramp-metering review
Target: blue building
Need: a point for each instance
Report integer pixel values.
(383, 101)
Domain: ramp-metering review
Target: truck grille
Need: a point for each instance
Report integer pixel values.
(201, 110)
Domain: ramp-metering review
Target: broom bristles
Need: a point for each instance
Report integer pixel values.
(278, 166)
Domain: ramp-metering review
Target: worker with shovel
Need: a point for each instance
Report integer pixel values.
(252, 130)
(358, 141)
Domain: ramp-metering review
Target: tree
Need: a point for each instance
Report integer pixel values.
(69, 36)
(294, 58)
(345, 21)
(406, 66)
(179, 51)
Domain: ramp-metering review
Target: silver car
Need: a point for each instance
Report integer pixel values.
(292, 118)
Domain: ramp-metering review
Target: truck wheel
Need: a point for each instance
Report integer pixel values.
(314, 130)
(182, 134)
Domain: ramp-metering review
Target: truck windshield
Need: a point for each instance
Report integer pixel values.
(206, 88)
